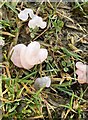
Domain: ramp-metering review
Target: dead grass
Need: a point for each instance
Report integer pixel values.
(66, 38)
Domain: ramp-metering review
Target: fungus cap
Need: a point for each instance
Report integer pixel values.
(15, 54)
(82, 72)
(36, 21)
(37, 58)
(29, 12)
(81, 66)
(23, 15)
(27, 57)
(32, 52)
(24, 63)
(2, 42)
(41, 82)
(42, 55)
(81, 77)
(33, 48)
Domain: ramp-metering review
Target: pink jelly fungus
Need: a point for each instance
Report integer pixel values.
(82, 72)
(15, 57)
(81, 66)
(27, 56)
(23, 61)
(23, 15)
(37, 55)
(35, 21)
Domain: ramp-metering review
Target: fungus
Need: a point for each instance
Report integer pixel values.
(15, 54)
(34, 55)
(33, 48)
(32, 52)
(42, 82)
(42, 55)
(2, 42)
(24, 62)
(82, 72)
(23, 15)
(28, 56)
(35, 21)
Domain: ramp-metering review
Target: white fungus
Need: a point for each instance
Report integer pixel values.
(42, 55)
(28, 56)
(34, 55)
(23, 15)
(42, 82)
(32, 52)
(82, 72)
(81, 66)
(2, 42)
(35, 21)
(15, 54)
(29, 12)
(24, 62)
(33, 48)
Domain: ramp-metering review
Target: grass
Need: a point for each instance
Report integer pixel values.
(66, 98)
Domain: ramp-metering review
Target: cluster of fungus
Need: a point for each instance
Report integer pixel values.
(35, 21)
(27, 56)
(82, 72)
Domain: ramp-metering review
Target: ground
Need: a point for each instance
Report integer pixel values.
(66, 39)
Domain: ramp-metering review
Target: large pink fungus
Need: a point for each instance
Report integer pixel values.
(27, 56)
(82, 72)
